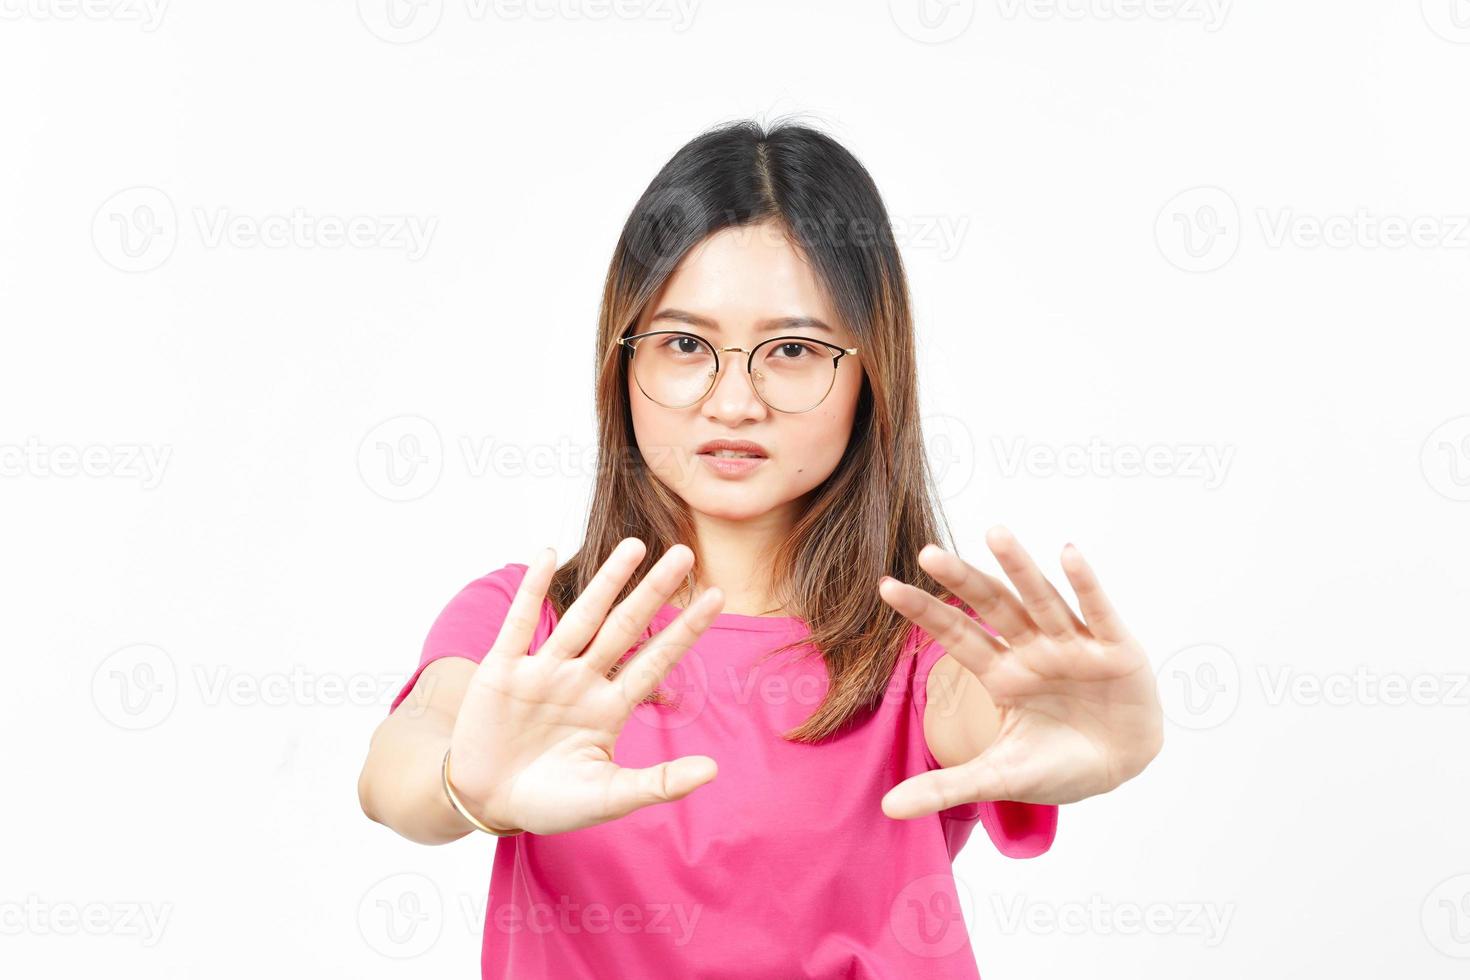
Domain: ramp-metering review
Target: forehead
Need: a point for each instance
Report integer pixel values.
(740, 277)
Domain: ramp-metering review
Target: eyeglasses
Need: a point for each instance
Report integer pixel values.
(789, 374)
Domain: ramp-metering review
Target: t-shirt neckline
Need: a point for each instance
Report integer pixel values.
(732, 621)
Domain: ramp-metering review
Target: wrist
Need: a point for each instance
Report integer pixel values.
(462, 813)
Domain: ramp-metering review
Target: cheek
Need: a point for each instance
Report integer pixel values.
(820, 445)
(657, 432)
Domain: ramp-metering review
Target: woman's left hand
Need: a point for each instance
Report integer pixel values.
(1077, 701)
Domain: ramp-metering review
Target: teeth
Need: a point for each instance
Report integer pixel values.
(732, 454)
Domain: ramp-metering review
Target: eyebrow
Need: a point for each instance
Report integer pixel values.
(776, 323)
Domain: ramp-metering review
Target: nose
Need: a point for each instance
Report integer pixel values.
(733, 398)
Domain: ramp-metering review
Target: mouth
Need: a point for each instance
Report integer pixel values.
(732, 449)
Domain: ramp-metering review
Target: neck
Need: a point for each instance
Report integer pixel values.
(735, 556)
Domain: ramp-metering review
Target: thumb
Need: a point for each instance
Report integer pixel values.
(940, 789)
(630, 789)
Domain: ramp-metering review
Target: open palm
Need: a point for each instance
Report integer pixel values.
(533, 741)
(1077, 701)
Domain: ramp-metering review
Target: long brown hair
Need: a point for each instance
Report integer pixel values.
(878, 507)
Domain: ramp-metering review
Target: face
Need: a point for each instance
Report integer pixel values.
(734, 282)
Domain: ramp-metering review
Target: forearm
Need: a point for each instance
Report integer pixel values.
(401, 783)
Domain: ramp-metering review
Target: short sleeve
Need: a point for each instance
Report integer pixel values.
(1018, 830)
(468, 625)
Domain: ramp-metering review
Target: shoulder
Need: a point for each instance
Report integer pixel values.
(470, 621)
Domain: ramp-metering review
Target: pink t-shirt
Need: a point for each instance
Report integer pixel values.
(783, 866)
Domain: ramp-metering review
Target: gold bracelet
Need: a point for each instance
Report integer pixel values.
(460, 807)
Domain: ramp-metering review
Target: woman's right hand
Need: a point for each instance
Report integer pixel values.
(532, 746)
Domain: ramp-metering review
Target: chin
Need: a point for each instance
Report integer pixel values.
(728, 510)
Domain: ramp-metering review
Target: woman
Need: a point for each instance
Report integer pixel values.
(757, 634)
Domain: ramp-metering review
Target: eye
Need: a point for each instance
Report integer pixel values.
(793, 350)
(681, 344)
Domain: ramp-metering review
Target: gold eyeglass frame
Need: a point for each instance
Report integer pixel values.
(749, 364)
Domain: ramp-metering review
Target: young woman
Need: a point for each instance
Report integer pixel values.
(758, 633)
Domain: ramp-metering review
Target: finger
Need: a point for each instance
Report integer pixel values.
(940, 789)
(1101, 617)
(519, 626)
(985, 594)
(626, 623)
(630, 789)
(951, 627)
(645, 669)
(1048, 609)
(579, 624)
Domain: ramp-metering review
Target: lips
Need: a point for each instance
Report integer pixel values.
(732, 449)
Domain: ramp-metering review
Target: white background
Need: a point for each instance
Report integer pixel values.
(1166, 228)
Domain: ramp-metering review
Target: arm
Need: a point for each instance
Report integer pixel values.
(400, 785)
(960, 719)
